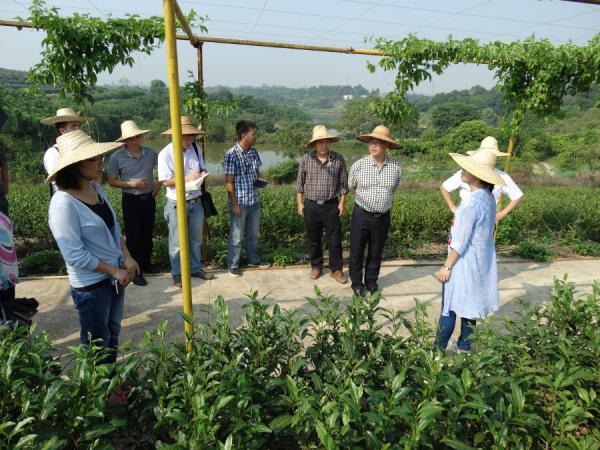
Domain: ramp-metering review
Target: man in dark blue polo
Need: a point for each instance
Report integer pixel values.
(131, 169)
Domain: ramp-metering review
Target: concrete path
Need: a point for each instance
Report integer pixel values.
(400, 281)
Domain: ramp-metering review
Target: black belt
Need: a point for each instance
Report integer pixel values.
(321, 202)
(373, 214)
(194, 200)
(91, 287)
(138, 196)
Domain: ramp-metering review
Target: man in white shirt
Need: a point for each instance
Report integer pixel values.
(489, 144)
(194, 168)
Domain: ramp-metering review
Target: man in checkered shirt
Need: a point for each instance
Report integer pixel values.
(242, 164)
(323, 182)
(373, 178)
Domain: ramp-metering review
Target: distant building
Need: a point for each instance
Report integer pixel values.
(363, 96)
(348, 97)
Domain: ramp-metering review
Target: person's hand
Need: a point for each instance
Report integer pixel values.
(193, 176)
(500, 216)
(139, 183)
(237, 211)
(341, 209)
(156, 189)
(131, 266)
(453, 209)
(443, 275)
(122, 276)
(301, 209)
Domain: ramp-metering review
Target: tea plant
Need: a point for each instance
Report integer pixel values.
(347, 375)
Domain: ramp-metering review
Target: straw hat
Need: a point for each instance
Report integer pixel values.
(187, 127)
(77, 146)
(130, 129)
(320, 133)
(490, 144)
(482, 164)
(383, 134)
(65, 115)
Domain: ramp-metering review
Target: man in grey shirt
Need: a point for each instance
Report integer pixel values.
(131, 169)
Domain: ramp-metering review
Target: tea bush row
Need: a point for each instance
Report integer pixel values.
(568, 216)
(333, 379)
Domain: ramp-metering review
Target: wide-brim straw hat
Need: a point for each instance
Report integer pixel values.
(77, 146)
(481, 164)
(320, 133)
(490, 144)
(187, 128)
(65, 115)
(382, 133)
(130, 129)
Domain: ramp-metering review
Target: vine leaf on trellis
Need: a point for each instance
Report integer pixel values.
(533, 75)
(79, 47)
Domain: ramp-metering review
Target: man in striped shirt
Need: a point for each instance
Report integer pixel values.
(373, 178)
(323, 182)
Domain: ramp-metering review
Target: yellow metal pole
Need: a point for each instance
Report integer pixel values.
(175, 108)
(511, 145)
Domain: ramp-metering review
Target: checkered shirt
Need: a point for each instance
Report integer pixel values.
(374, 186)
(322, 181)
(243, 165)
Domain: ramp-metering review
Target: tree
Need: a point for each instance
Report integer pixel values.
(446, 116)
(357, 118)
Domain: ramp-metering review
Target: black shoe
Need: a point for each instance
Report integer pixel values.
(139, 280)
(150, 268)
(177, 280)
(359, 292)
(203, 275)
(372, 290)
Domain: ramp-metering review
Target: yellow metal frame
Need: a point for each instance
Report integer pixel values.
(171, 10)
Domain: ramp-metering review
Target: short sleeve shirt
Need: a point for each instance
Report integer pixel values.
(244, 166)
(127, 167)
(322, 181)
(511, 190)
(192, 162)
(374, 186)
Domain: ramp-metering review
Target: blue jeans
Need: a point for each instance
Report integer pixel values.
(195, 216)
(100, 314)
(248, 224)
(446, 327)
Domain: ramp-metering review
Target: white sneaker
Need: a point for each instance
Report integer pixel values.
(453, 348)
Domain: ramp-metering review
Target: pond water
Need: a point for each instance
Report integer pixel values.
(270, 154)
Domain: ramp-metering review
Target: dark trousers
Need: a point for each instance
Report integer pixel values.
(316, 218)
(138, 214)
(367, 229)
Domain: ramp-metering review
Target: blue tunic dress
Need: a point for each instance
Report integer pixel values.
(472, 290)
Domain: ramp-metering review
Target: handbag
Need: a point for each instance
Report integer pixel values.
(207, 202)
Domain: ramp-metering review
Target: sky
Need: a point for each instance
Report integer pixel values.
(336, 23)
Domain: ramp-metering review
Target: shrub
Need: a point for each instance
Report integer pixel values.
(283, 173)
(45, 261)
(334, 379)
(530, 249)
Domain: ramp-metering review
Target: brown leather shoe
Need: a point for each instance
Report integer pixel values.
(339, 276)
(315, 273)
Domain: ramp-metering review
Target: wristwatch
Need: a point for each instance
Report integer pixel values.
(446, 268)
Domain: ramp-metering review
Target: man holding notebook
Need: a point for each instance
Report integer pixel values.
(194, 169)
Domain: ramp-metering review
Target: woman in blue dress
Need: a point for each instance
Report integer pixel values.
(469, 274)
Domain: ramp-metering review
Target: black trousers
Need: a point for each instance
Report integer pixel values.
(138, 214)
(318, 218)
(367, 230)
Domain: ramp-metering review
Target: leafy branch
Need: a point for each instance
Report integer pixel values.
(79, 47)
(198, 105)
(533, 76)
